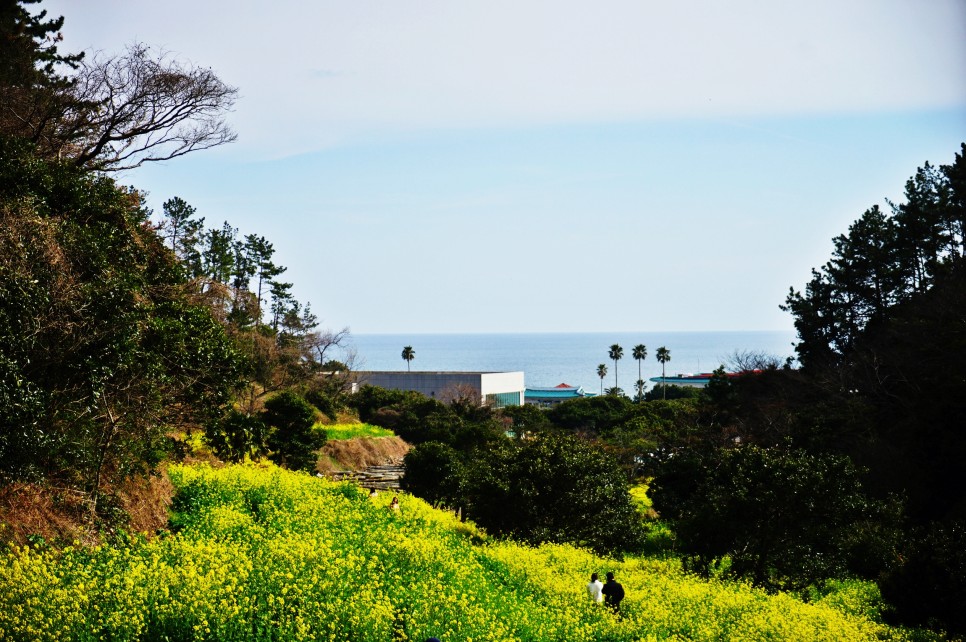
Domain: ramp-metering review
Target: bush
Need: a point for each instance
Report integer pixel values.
(292, 440)
(670, 391)
(323, 403)
(598, 414)
(526, 419)
(236, 435)
(371, 399)
(435, 472)
(554, 488)
(928, 587)
(784, 518)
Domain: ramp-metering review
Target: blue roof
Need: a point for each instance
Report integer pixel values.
(555, 393)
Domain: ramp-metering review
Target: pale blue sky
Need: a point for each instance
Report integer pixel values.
(554, 166)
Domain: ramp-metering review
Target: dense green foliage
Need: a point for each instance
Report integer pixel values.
(437, 473)
(31, 82)
(526, 420)
(416, 418)
(553, 488)
(236, 436)
(292, 438)
(929, 585)
(670, 391)
(783, 518)
(120, 333)
(883, 385)
(556, 488)
(597, 414)
(103, 350)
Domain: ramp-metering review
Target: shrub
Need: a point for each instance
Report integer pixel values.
(435, 472)
(784, 518)
(554, 488)
(236, 435)
(293, 440)
(928, 587)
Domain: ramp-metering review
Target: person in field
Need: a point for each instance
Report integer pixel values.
(594, 588)
(613, 593)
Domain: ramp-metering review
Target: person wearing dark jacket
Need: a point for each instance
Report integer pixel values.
(613, 593)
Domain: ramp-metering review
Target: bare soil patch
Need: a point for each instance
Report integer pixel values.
(361, 453)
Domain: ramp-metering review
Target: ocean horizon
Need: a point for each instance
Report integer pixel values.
(549, 359)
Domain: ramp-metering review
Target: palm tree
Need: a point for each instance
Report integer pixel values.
(615, 353)
(639, 386)
(663, 355)
(602, 372)
(639, 353)
(408, 354)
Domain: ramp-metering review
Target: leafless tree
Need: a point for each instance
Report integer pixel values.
(135, 107)
(319, 344)
(745, 360)
(318, 348)
(461, 393)
(117, 112)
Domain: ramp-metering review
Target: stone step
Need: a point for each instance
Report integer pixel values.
(381, 477)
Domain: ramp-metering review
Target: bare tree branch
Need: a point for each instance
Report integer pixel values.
(135, 108)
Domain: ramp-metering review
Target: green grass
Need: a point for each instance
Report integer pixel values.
(339, 432)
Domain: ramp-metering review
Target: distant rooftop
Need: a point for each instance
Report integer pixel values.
(435, 372)
(557, 392)
(562, 386)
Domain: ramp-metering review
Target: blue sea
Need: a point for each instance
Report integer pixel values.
(553, 358)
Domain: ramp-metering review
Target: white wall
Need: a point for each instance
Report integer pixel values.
(437, 385)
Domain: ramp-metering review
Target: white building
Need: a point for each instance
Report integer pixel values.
(496, 389)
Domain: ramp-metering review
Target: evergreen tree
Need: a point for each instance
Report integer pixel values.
(103, 353)
(33, 91)
(184, 233)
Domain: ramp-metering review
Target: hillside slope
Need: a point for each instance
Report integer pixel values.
(260, 553)
(360, 453)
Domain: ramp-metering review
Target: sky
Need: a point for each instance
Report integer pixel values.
(538, 166)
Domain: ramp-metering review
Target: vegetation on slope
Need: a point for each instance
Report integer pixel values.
(258, 553)
(342, 432)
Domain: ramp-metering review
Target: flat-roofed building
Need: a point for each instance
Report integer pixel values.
(496, 389)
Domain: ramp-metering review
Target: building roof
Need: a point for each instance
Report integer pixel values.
(436, 372)
(555, 393)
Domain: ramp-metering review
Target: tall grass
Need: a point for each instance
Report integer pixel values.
(258, 553)
(339, 432)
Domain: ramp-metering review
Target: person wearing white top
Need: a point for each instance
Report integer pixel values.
(594, 588)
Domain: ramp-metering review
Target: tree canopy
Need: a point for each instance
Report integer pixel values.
(882, 385)
(103, 348)
(104, 112)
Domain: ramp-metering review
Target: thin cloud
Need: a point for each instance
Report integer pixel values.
(437, 64)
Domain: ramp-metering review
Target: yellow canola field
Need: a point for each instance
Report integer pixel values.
(258, 553)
